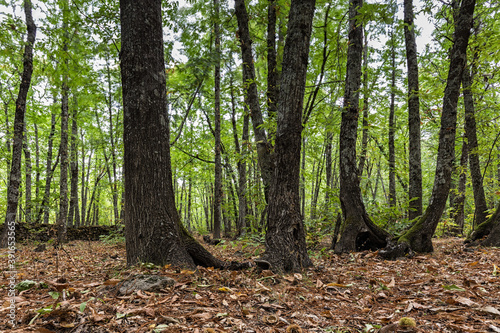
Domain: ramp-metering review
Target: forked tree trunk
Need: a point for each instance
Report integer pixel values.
(358, 232)
(7, 238)
(285, 237)
(153, 228)
(419, 236)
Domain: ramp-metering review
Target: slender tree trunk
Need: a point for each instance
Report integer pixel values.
(114, 180)
(419, 236)
(241, 224)
(37, 165)
(285, 237)
(481, 208)
(28, 172)
(7, 239)
(74, 213)
(364, 138)
(459, 201)
(49, 171)
(415, 163)
(358, 231)
(392, 127)
(63, 147)
(217, 126)
(188, 215)
(252, 97)
(303, 177)
(272, 70)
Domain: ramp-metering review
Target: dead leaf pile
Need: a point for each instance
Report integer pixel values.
(76, 289)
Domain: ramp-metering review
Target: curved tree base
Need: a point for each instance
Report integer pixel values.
(488, 232)
(359, 233)
(485, 228)
(202, 257)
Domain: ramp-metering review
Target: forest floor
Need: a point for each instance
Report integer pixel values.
(454, 289)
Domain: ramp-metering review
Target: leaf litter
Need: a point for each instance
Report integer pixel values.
(454, 289)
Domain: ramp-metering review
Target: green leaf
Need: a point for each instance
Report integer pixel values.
(25, 285)
(54, 294)
(452, 287)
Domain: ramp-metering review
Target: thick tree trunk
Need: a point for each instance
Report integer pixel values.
(7, 238)
(285, 237)
(415, 163)
(481, 208)
(153, 229)
(217, 126)
(419, 236)
(264, 148)
(358, 231)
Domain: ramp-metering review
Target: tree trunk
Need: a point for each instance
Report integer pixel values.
(285, 237)
(63, 146)
(481, 208)
(364, 137)
(114, 177)
(153, 229)
(45, 206)
(217, 126)
(28, 171)
(459, 200)
(241, 224)
(74, 212)
(392, 126)
(419, 236)
(37, 165)
(7, 238)
(358, 231)
(272, 70)
(252, 97)
(415, 163)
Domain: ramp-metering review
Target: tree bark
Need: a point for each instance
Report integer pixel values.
(392, 126)
(217, 126)
(415, 163)
(7, 238)
(419, 236)
(264, 147)
(28, 171)
(285, 236)
(459, 200)
(241, 224)
(74, 212)
(153, 229)
(63, 145)
(364, 136)
(358, 231)
(481, 207)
